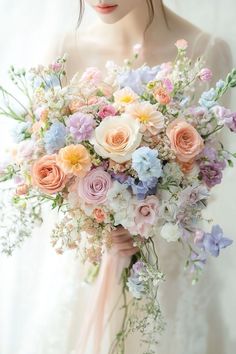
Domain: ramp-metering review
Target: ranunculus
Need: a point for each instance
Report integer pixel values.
(145, 214)
(117, 138)
(47, 175)
(170, 232)
(205, 74)
(185, 141)
(94, 186)
(74, 159)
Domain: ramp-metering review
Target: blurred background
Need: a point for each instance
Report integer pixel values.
(28, 29)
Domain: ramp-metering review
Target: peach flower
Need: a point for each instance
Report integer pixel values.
(74, 159)
(22, 189)
(162, 96)
(99, 215)
(47, 175)
(117, 138)
(185, 141)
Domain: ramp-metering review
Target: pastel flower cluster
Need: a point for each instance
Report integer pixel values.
(129, 148)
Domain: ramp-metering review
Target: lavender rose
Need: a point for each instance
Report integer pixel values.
(94, 186)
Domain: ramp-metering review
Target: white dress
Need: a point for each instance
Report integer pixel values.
(44, 299)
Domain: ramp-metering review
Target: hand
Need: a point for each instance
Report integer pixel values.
(123, 242)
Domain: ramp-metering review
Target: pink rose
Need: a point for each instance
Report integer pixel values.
(185, 140)
(107, 111)
(146, 212)
(47, 175)
(94, 186)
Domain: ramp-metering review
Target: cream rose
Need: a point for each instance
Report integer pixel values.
(117, 138)
(185, 141)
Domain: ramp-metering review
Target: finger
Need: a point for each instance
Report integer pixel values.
(121, 239)
(124, 245)
(128, 253)
(119, 232)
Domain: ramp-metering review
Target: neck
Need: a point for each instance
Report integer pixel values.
(131, 29)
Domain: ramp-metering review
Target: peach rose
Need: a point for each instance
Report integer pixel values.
(75, 160)
(185, 141)
(117, 138)
(99, 215)
(47, 175)
(162, 96)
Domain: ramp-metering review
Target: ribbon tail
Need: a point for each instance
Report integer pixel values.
(93, 333)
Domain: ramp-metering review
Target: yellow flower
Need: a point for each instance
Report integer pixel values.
(151, 119)
(74, 159)
(125, 96)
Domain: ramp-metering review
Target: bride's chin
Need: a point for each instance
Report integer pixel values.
(110, 19)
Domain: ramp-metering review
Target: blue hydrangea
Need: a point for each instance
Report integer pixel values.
(146, 163)
(137, 79)
(207, 99)
(21, 131)
(55, 138)
(142, 189)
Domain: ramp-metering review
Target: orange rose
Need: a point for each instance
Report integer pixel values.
(185, 141)
(47, 175)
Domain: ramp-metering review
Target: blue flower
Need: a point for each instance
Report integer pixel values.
(214, 241)
(134, 283)
(142, 189)
(207, 99)
(220, 84)
(146, 163)
(137, 79)
(55, 137)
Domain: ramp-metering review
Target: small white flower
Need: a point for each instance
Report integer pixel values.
(170, 232)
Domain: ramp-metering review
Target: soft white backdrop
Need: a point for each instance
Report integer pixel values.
(27, 31)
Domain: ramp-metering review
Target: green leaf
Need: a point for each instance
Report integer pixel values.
(234, 155)
(231, 164)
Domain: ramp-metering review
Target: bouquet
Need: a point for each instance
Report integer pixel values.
(136, 147)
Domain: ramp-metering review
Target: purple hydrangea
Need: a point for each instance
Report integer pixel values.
(214, 241)
(81, 126)
(211, 173)
(55, 137)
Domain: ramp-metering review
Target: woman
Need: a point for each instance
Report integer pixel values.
(193, 322)
(120, 25)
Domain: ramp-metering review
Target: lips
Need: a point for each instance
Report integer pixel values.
(105, 9)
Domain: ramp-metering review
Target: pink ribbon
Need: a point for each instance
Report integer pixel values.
(99, 309)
